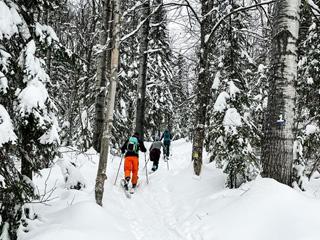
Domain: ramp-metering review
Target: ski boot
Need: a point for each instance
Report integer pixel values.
(126, 182)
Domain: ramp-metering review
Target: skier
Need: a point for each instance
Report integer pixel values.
(167, 137)
(155, 151)
(131, 163)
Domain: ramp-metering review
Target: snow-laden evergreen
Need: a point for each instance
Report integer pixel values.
(73, 69)
(181, 92)
(232, 130)
(28, 114)
(308, 86)
(159, 106)
(124, 117)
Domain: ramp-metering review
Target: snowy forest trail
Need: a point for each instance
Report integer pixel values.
(151, 211)
(146, 218)
(174, 205)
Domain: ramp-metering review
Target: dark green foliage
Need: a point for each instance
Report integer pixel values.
(233, 132)
(182, 104)
(72, 72)
(15, 191)
(124, 116)
(34, 122)
(159, 106)
(308, 98)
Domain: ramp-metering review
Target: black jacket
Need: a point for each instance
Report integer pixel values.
(141, 148)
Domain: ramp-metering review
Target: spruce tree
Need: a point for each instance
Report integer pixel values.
(232, 129)
(159, 106)
(308, 85)
(25, 97)
(124, 118)
(181, 92)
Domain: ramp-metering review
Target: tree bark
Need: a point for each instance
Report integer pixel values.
(101, 78)
(142, 70)
(101, 175)
(203, 91)
(277, 149)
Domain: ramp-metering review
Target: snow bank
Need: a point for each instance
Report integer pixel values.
(81, 221)
(265, 210)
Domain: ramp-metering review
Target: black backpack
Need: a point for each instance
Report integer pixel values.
(132, 145)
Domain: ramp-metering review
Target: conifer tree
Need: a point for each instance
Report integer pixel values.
(308, 85)
(231, 127)
(26, 99)
(143, 63)
(159, 105)
(73, 68)
(124, 118)
(203, 81)
(180, 94)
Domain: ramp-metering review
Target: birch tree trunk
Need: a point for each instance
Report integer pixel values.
(203, 91)
(277, 149)
(142, 70)
(101, 175)
(101, 78)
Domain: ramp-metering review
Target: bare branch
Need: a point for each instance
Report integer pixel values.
(194, 12)
(241, 9)
(265, 13)
(140, 25)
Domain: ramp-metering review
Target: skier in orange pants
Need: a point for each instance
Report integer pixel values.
(131, 163)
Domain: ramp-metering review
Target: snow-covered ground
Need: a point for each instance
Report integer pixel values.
(175, 205)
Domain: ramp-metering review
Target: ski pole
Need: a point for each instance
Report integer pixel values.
(145, 160)
(146, 164)
(167, 162)
(118, 170)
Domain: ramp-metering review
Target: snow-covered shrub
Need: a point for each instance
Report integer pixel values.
(71, 174)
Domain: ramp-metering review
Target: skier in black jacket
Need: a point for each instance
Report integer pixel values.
(131, 149)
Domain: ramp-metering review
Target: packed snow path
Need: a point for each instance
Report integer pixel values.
(150, 209)
(146, 218)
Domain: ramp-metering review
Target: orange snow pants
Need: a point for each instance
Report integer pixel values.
(131, 164)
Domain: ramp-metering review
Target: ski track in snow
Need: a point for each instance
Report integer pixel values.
(146, 220)
(149, 216)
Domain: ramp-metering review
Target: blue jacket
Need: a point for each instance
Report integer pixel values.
(163, 135)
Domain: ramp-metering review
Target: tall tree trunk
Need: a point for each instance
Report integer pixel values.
(203, 90)
(277, 149)
(142, 70)
(101, 175)
(101, 78)
(85, 131)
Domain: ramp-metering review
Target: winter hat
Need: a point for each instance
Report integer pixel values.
(157, 138)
